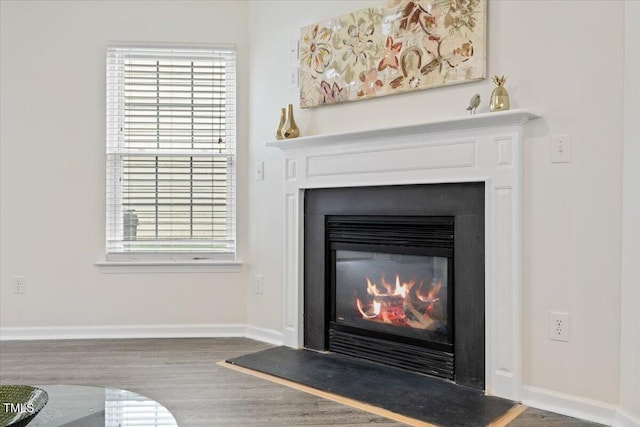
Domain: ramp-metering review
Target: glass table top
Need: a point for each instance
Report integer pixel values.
(84, 406)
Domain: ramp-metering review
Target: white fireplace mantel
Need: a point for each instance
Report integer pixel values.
(480, 148)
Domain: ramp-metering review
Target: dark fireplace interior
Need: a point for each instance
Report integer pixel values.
(395, 275)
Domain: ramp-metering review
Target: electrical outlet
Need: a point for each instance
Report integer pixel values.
(259, 284)
(559, 326)
(18, 285)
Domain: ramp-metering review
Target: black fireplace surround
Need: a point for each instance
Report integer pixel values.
(395, 274)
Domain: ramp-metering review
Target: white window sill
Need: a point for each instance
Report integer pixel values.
(187, 266)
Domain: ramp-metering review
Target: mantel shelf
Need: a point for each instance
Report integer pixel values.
(484, 120)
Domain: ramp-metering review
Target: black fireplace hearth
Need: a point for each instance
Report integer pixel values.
(395, 275)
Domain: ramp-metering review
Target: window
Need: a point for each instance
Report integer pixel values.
(170, 153)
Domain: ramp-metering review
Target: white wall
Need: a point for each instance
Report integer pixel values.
(560, 63)
(630, 320)
(53, 165)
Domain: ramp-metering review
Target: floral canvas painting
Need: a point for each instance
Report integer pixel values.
(406, 45)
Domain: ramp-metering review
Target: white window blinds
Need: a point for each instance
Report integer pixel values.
(124, 408)
(171, 131)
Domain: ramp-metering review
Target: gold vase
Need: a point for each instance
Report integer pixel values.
(290, 129)
(499, 96)
(281, 125)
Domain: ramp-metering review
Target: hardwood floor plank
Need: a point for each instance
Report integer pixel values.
(182, 375)
(535, 417)
(506, 418)
(343, 400)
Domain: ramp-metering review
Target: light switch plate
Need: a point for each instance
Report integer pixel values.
(259, 171)
(560, 148)
(293, 51)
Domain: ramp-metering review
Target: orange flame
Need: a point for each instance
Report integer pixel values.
(431, 295)
(398, 305)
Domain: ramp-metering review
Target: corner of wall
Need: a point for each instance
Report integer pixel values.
(630, 292)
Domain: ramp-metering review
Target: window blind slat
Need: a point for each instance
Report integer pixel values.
(170, 150)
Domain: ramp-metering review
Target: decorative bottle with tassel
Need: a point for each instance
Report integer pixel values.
(499, 96)
(290, 129)
(281, 125)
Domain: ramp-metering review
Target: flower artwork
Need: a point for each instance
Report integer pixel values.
(404, 46)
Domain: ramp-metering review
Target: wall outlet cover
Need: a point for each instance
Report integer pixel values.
(559, 326)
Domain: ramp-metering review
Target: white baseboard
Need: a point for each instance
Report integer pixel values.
(570, 405)
(125, 331)
(625, 419)
(266, 335)
(140, 331)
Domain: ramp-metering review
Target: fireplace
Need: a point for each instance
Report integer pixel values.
(391, 278)
(485, 149)
(395, 275)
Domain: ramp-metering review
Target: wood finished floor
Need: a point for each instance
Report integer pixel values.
(182, 374)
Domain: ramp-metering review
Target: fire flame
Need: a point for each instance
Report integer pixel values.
(400, 304)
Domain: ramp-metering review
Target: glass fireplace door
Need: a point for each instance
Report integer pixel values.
(394, 294)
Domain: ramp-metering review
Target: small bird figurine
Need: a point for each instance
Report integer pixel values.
(473, 103)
